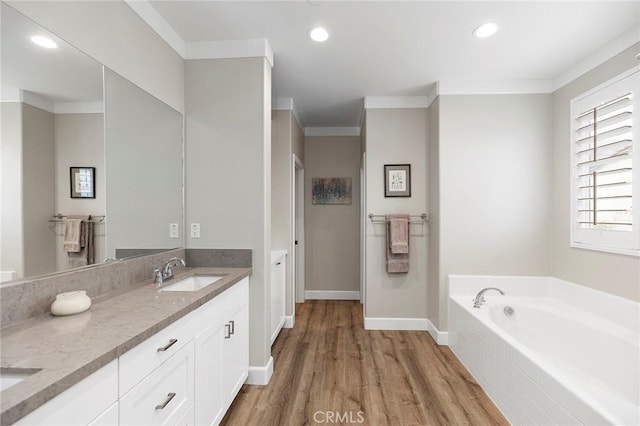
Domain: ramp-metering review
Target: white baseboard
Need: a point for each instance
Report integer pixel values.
(260, 375)
(289, 321)
(331, 295)
(440, 337)
(420, 324)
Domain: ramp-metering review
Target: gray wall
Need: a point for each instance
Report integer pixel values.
(228, 172)
(79, 142)
(332, 232)
(287, 139)
(144, 148)
(612, 273)
(105, 30)
(12, 248)
(495, 186)
(38, 190)
(396, 136)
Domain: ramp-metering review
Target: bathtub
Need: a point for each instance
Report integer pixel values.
(559, 354)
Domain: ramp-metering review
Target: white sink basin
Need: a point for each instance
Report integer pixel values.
(11, 376)
(193, 283)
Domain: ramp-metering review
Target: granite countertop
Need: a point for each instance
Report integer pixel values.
(68, 349)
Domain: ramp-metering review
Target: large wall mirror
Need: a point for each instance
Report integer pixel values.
(69, 122)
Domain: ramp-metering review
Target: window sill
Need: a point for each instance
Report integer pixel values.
(625, 252)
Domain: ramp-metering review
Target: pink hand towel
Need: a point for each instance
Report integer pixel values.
(397, 262)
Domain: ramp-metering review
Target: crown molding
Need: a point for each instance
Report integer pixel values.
(287, 104)
(493, 87)
(78, 107)
(609, 50)
(332, 131)
(150, 15)
(37, 101)
(227, 49)
(230, 49)
(378, 102)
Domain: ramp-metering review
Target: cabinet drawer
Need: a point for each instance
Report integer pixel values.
(163, 397)
(81, 403)
(108, 418)
(137, 363)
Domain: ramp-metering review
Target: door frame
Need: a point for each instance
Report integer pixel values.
(297, 206)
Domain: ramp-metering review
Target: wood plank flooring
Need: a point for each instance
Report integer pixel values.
(329, 370)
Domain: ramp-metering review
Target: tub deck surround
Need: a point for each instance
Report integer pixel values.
(561, 357)
(68, 349)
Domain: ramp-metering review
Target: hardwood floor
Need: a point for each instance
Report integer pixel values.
(329, 370)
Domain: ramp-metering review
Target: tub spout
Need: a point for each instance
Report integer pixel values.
(479, 300)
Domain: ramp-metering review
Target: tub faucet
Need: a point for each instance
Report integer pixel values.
(167, 272)
(479, 300)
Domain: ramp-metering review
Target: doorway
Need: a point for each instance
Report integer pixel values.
(298, 232)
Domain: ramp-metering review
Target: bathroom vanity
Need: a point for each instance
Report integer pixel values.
(140, 356)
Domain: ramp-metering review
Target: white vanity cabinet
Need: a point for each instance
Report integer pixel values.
(222, 354)
(188, 373)
(278, 277)
(81, 404)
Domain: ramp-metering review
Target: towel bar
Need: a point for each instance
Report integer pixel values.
(59, 218)
(380, 218)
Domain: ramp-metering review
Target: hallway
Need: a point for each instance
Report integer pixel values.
(329, 370)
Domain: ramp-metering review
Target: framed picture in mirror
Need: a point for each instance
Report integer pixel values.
(397, 180)
(83, 184)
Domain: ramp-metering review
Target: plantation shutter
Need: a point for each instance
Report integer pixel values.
(604, 155)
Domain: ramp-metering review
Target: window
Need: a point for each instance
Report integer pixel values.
(605, 155)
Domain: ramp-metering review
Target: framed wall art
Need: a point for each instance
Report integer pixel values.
(397, 180)
(83, 183)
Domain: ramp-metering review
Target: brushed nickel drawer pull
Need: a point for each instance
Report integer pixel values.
(166, 401)
(227, 335)
(233, 327)
(171, 343)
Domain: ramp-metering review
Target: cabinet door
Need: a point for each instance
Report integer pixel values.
(236, 344)
(277, 297)
(209, 399)
(108, 418)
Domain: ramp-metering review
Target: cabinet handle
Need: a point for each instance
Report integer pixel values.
(228, 331)
(171, 343)
(166, 401)
(278, 264)
(233, 327)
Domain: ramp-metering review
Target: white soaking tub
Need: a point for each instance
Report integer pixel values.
(558, 354)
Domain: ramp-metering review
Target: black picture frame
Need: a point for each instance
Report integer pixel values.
(82, 182)
(397, 180)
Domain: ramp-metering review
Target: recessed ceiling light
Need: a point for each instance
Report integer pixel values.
(319, 34)
(485, 30)
(45, 42)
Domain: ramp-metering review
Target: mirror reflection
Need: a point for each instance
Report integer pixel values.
(54, 122)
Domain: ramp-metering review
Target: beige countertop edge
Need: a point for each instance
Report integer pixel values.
(162, 308)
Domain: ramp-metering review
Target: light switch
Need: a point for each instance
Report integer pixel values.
(195, 230)
(174, 230)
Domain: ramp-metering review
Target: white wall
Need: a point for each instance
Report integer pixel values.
(113, 34)
(228, 172)
(38, 190)
(12, 248)
(396, 136)
(611, 273)
(495, 187)
(332, 232)
(79, 142)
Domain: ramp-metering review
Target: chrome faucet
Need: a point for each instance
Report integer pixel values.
(479, 300)
(167, 273)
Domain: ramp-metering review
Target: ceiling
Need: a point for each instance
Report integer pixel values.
(60, 75)
(398, 48)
